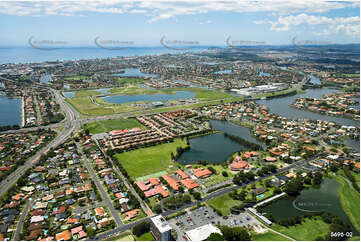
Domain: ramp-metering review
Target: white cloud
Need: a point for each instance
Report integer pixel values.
(347, 25)
(165, 9)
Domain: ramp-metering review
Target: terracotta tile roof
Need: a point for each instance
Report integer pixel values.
(182, 174)
(65, 235)
(99, 211)
(142, 185)
(171, 182)
(189, 183)
(200, 172)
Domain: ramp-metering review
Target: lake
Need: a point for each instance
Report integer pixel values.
(280, 106)
(45, 79)
(101, 91)
(234, 129)
(213, 148)
(11, 113)
(324, 198)
(149, 98)
(133, 72)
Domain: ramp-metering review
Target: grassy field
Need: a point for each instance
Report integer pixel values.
(123, 80)
(350, 201)
(125, 236)
(223, 203)
(268, 236)
(146, 237)
(149, 160)
(310, 229)
(218, 177)
(76, 78)
(108, 125)
(82, 102)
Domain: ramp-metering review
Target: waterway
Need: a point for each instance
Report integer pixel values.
(280, 106)
(324, 198)
(213, 148)
(132, 72)
(149, 98)
(11, 113)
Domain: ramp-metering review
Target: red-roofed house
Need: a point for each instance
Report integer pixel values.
(202, 173)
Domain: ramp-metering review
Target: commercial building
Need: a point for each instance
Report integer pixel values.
(160, 228)
(202, 233)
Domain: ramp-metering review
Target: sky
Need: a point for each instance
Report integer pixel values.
(191, 22)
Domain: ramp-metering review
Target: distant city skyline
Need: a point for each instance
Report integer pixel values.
(199, 22)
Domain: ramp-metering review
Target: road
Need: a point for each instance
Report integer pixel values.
(144, 205)
(204, 199)
(19, 226)
(100, 187)
(73, 123)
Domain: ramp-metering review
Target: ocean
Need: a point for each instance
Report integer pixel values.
(28, 54)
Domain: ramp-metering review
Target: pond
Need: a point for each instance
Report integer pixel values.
(149, 98)
(224, 72)
(213, 148)
(324, 198)
(132, 72)
(234, 129)
(261, 73)
(11, 113)
(280, 106)
(45, 79)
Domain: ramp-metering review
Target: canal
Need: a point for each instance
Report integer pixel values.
(11, 113)
(280, 106)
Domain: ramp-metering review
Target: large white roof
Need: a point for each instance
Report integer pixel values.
(201, 233)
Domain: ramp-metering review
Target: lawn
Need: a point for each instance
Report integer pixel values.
(223, 203)
(76, 77)
(350, 201)
(129, 80)
(267, 236)
(218, 177)
(310, 229)
(108, 125)
(146, 237)
(125, 236)
(149, 160)
(84, 105)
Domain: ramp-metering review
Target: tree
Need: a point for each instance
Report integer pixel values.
(235, 234)
(90, 232)
(215, 237)
(141, 228)
(224, 173)
(157, 208)
(197, 196)
(317, 179)
(186, 198)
